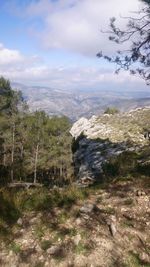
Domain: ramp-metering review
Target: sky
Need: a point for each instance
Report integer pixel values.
(54, 43)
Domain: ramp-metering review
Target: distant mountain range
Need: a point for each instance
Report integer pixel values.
(75, 104)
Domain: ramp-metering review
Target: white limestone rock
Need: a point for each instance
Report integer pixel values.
(82, 125)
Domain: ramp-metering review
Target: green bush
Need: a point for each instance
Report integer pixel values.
(75, 142)
(111, 110)
(34, 199)
(123, 164)
(38, 199)
(9, 212)
(16, 248)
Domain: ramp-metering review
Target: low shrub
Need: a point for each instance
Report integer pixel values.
(123, 164)
(111, 110)
(9, 212)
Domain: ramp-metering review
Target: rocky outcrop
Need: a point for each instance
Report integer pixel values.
(100, 139)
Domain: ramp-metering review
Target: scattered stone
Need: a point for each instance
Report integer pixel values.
(78, 221)
(33, 220)
(140, 193)
(77, 239)
(22, 231)
(54, 250)
(112, 225)
(87, 181)
(129, 216)
(11, 253)
(20, 222)
(85, 217)
(145, 258)
(87, 208)
(41, 258)
(124, 210)
(27, 252)
(113, 229)
(147, 135)
(25, 242)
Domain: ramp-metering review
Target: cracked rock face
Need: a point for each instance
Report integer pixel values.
(100, 139)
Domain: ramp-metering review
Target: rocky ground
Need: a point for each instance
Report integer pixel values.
(110, 228)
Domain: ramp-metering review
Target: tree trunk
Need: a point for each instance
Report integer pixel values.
(35, 165)
(21, 151)
(12, 153)
(4, 158)
(21, 157)
(61, 170)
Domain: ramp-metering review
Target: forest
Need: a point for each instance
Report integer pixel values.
(34, 147)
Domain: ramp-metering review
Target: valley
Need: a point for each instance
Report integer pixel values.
(81, 103)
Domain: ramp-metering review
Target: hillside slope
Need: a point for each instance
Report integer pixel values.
(105, 225)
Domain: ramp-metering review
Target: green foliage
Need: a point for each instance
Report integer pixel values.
(15, 247)
(144, 169)
(134, 261)
(33, 146)
(121, 165)
(81, 248)
(62, 217)
(39, 200)
(75, 142)
(144, 156)
(9, 213)
(9, 99)
(39, 231)
(109, 210)
(14, 203)
(45, 244)
(6, 95)
(111, 110)
(129, 202)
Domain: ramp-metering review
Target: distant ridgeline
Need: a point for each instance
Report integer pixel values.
(33, 146)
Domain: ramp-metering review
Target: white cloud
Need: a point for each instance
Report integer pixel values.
(30, 70)
(75, 25)
(70, 25)
(9, 56)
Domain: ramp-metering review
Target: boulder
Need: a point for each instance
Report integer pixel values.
(77, 239)
(100, 139)
(55, 250)
(20, 222)
(87, 208)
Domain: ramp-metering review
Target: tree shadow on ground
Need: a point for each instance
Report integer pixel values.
(9, 213)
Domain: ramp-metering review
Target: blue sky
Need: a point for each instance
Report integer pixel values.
(54, 42)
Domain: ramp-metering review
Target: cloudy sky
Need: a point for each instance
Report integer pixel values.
(55, 42)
